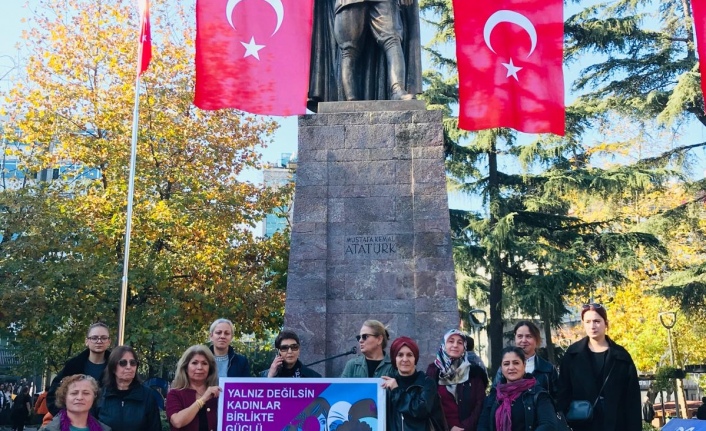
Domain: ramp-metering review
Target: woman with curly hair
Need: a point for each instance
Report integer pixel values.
(75, 397)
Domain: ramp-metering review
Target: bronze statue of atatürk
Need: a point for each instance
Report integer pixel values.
(365, 50)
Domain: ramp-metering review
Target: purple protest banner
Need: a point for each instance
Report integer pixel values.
(280, 404)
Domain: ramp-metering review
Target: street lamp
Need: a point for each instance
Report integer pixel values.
(668, 319)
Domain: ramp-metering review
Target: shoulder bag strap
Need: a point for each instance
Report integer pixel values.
(603, 386)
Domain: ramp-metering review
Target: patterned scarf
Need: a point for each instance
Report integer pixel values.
(65, 422)
(446, 366)
(506, 393)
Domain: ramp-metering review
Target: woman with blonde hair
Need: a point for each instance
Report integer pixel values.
(75, 397)
(193, 399)
(373, 362)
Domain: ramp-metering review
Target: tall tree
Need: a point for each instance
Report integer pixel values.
(194, 256)
(525, 238)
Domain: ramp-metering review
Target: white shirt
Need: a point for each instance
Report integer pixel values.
(529, 368)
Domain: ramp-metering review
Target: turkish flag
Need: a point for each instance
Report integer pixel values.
(253, 55)
(510, 64)
(145, 36)
(698, 9)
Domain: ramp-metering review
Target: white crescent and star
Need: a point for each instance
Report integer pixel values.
(513, 18)
(251, 48)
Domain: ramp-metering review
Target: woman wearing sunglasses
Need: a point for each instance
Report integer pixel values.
(286, 362)
(126, 404)
(597, 370)
(372, 341)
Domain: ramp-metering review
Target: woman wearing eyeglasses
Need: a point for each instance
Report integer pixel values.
(373, 362)
(192, 403)
(126, 404)
(286, 362)
(597, 370)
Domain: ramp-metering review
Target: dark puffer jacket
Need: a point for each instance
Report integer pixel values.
(414, 404)
(137, 411)
(298, 370)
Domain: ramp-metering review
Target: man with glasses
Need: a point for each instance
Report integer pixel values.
(91, 361)
(286, 362)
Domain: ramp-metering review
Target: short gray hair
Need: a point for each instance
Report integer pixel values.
(218, 322)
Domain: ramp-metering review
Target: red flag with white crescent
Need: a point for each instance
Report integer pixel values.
(510, 64)
(698, 9)
(253, 55)
(145, 36)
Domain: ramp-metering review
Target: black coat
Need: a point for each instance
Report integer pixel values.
(238, 365)
(298, 368)
(532, 411)
(620, 406)
(414, 407)
(75, 365)
(545, 374)
(137, 411)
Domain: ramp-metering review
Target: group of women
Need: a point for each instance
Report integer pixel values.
(527, 394)
(596, 390)
(123, 404)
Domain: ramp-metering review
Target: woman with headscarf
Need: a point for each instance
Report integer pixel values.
(517, 402)
(461, 384)
(412, 400)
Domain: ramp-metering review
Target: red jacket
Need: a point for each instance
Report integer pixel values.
(179, 399)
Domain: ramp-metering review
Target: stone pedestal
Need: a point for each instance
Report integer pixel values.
(370, 233)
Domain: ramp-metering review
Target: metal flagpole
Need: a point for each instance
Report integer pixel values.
(130, 198)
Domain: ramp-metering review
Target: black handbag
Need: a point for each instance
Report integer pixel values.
(581, 411)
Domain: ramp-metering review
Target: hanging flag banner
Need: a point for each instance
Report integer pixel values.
(253, 55)
(698, 9)
(249, 404)
(145, 35)
(509, 56)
